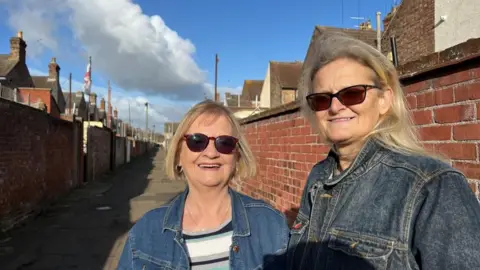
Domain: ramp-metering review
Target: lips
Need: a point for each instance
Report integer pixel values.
(209, 165)
(340, 119)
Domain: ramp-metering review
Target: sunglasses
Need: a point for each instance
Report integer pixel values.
(349, 96)
(197, 142)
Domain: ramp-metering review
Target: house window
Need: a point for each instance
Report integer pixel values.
(288, 96)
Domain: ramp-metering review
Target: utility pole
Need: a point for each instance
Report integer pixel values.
(129, 119)
(379, 32)
(70, 91)
(109, 112)
(153, 133)
(146, 117)
(216, 76)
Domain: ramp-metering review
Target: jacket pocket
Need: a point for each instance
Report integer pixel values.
(143, 261)
(358, 251)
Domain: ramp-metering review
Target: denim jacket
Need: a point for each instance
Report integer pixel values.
(387, 211)
(260, 234)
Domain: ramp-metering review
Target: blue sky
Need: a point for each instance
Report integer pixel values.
(163, 51)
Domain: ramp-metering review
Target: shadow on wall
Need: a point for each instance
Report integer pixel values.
(83, 230)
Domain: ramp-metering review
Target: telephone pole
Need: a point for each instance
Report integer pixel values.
(70, 92)
(109, 108)
(146, 118)
(216, 76)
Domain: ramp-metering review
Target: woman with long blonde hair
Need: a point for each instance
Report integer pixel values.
(379, 200)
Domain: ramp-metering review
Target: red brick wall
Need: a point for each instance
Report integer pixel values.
(99, 152)
(33, 96)
(413, 28)
(445, 103)
(37, 162)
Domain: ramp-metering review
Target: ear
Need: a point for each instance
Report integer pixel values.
(385, 100)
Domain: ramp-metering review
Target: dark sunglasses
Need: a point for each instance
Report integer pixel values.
(197, 142)
(349, 96)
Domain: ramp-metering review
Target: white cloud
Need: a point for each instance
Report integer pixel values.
(128, 104)
(136, 51)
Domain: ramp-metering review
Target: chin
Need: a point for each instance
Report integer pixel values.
(339, 138)
(212, 182)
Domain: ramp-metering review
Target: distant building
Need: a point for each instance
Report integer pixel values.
(433, 26)
(46, 89)
(78, 106)
(13, 68)
(280, 84)
(248, 102)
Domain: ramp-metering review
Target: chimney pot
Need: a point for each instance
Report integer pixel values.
(20, 34)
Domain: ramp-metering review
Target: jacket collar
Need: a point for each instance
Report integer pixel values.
(365, 158)
(174, 213)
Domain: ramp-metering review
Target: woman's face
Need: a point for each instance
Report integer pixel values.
(345, 125)
(208, 168)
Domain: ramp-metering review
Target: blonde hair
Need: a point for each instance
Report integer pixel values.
(246, 166)
(396, 130)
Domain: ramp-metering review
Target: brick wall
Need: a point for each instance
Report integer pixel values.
(37, 160)
(99, 152)
(120, 148)
(413, 28)
(36, 95)
(445, 102)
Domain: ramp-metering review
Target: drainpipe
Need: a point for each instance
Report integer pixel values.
(393, 44)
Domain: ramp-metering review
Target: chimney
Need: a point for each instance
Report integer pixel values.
(53, 70)
(17, 48)
(93, 99)
(102, 104)
(115, 113)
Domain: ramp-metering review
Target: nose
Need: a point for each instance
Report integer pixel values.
(336, 106)
(211, 151)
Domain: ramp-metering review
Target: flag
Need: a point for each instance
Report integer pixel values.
(87, 79)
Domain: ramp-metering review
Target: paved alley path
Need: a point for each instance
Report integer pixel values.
(87, 229)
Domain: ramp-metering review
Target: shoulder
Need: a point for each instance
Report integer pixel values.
(261, 211)
(425, 168)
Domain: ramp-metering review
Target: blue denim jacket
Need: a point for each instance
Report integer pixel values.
(260, 234)
(387, 211)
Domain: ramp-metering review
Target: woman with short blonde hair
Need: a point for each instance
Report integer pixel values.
(379, 200)
(209, 225)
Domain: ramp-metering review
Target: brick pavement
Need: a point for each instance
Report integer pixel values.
(75, 234)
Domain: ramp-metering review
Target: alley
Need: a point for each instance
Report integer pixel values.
(87, 229)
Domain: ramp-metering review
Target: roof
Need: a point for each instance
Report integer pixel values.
(43, 82)
(286, 74)
(232, 100)
(6, 64)
(368, 36)
(252, 88)
(76, 98)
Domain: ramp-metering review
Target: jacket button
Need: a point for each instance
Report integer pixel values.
(235, 248)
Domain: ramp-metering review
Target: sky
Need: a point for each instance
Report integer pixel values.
(163, 51)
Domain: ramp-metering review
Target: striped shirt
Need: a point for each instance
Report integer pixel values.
(209, 250)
